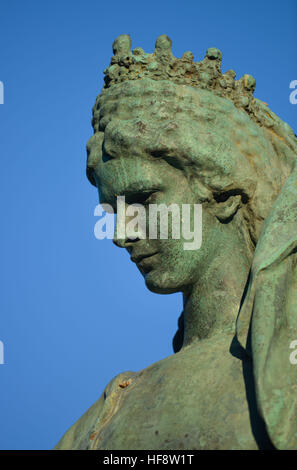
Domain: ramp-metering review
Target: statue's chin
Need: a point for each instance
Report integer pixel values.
(160, 284)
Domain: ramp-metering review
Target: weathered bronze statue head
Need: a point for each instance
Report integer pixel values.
(170, 130)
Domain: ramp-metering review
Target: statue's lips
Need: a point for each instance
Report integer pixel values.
(139, 258)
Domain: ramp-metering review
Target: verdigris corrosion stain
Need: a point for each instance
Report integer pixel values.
(171, 130)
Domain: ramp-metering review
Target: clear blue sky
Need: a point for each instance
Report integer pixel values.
(74, 310)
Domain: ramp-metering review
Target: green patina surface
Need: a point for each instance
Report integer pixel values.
(170, 130)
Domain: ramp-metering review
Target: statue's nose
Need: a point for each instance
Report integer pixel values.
(125, 236)
(124, 242)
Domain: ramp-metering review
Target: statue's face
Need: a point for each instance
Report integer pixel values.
(164, 263)
(156, 149)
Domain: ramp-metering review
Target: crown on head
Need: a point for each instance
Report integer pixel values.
(162, 65)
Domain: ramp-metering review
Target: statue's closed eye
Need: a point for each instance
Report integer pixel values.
(105, 156)
(143, 197)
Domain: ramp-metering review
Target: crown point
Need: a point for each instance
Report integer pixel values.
(230, 73)
(214, 54)
(163, 44)
(122, 45)
(188, 55)
(138, 51)
(249, 82)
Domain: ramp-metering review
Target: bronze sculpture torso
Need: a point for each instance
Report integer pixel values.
(153, 409)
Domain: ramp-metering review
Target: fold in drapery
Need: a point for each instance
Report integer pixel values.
(267, 322)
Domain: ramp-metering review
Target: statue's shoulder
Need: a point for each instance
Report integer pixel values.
(83, 431)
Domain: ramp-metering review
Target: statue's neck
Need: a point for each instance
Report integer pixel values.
(212, 305)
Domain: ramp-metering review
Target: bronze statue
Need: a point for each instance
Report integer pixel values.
(170, 130)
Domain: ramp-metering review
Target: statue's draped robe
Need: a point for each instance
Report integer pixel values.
(267, 322)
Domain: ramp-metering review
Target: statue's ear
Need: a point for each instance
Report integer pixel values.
(227, 204)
